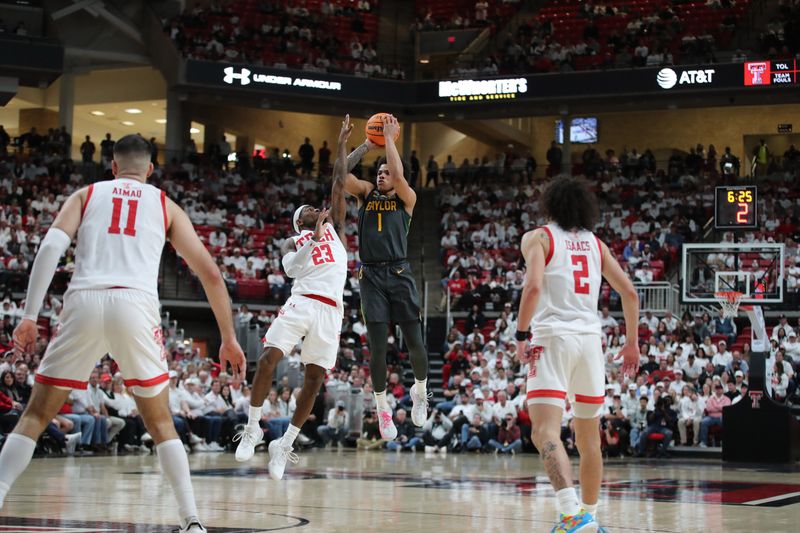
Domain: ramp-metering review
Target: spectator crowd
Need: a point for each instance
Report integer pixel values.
(333, 36)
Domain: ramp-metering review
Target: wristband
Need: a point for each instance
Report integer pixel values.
(523, 336)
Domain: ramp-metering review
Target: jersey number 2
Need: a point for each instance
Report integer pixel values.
(322, 254)
(581, 273)
(130, 225)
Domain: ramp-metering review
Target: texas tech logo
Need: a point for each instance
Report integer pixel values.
(755, 397)
(756, 73)
(536, 354)
(158, 336)
(230, 75)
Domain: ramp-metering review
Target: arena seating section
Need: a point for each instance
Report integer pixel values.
(331, 35)
(693, 20)
(442, 11)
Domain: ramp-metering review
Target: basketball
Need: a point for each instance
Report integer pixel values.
(374, 129)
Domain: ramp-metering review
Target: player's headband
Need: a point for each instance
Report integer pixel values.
(296, 217)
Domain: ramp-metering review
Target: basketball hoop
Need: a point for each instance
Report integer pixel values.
(729, 301)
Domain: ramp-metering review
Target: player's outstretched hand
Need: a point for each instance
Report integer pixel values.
(25, 335)
(230, 353)
(347, 129)
(630, 359)
(391, 128)
(323, 216)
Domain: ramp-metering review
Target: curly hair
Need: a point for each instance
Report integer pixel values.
(571, 204)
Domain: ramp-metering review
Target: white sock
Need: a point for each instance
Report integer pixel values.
(254, 416)
(568, 501)
(14, 459)
(591, 509)
(290, 435)
(175, 465)
(420, 387)
(380, 401)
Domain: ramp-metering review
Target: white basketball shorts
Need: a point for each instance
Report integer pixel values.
(124, 323)
(317, 323)
(571, 365)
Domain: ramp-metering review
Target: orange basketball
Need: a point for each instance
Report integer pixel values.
(374, 129)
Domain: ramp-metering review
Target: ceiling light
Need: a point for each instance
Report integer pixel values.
(133, 111)
(98, 113)
(161, 120)
(127, 123)
(194, 130)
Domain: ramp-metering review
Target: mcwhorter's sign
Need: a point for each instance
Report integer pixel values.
(472, 90)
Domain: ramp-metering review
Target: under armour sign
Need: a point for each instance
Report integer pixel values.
(230, 75)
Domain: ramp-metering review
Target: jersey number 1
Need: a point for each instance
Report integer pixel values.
(581, 273)
(130, 225)
(322, 254)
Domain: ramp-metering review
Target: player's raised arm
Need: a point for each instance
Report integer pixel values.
(535, 245)
(338, 205)
(352, 185)
(621, 283)
(186, 242)
(391, 128)
(55, 243)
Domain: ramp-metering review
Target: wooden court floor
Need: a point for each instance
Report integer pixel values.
(382, 491)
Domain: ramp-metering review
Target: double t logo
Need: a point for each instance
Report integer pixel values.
(230, 75)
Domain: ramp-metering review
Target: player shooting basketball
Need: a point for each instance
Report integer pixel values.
(388, 291)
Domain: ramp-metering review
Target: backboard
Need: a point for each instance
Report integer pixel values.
(756, 270)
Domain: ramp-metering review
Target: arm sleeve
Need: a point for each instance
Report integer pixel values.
(53, 246)
(293, 262)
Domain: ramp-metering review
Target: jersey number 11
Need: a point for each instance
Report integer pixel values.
(130, 225)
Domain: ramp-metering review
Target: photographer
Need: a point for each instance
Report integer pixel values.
(337, 427)
(370, 433)
(509, 437)
(438, 433)
(638, 422)
(659, 421)
(615, 426)
(406, 433)
(473, 435)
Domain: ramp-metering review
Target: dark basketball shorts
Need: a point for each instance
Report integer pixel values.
(388, 293)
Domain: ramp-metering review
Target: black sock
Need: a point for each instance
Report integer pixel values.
(378, 335)
(412, 335)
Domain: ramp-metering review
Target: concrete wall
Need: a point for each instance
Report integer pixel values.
(41, 119)
(440, 141)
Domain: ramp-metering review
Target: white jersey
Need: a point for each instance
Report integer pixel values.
(121, 237)
(571, 287)
(325, 273)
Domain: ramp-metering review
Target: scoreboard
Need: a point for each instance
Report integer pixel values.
(763, 73)
(736, 207)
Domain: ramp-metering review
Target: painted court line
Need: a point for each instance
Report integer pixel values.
(772, 499)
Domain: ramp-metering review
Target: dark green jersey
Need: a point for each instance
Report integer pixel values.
(382, 228)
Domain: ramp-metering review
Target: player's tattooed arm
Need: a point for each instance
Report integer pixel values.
(352, 185)
(338, 205)
(355, 157)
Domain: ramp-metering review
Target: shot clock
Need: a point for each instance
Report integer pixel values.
(735, 207)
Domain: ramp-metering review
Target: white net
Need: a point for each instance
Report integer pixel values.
(729, 301)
